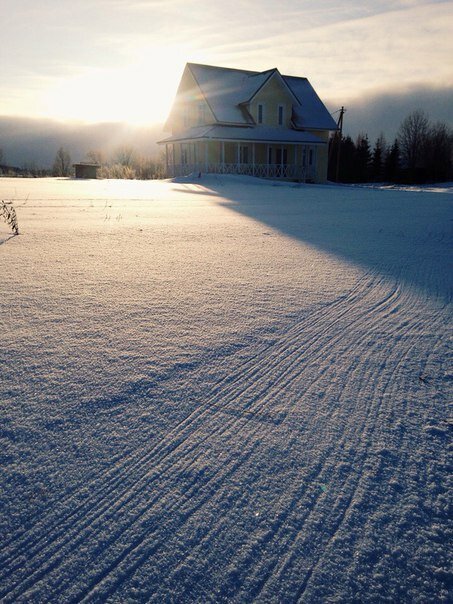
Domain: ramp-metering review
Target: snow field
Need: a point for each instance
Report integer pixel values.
(225, 390)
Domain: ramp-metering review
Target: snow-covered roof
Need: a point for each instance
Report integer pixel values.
(264, 134)
(227, 90)
(311, 111)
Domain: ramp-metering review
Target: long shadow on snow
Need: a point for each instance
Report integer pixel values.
(402, 234)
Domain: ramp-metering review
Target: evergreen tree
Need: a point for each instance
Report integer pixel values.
(347, 160)
(377, 160)
(362, 159)
(392, 163)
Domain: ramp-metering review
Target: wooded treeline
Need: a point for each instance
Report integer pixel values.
(421, 152)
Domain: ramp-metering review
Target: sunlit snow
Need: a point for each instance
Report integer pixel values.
(224, 390)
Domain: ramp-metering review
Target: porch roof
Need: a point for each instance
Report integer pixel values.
(257, 134)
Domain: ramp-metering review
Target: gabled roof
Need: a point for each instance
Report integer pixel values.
(311, 111)
(227, 90)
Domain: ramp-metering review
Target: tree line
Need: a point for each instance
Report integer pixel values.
(124, 162)
(421, 152)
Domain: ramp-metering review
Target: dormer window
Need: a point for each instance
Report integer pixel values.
(280, 115)
(260, 113)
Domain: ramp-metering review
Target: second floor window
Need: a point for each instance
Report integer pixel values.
(280, 115)
(260, 113)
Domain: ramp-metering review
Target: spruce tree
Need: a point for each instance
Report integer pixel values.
(362, 159)
(377, 161)
(392, 163)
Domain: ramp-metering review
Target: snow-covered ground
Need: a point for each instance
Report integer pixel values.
(225, 390)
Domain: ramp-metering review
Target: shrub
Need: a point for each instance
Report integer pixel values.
(8, 213)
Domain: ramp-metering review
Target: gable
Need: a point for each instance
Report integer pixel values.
(223, 89)
(189, 105)
(274, 93)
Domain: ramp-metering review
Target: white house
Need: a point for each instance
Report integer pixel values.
(247, 122)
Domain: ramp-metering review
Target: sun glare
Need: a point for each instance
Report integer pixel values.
(141, 93)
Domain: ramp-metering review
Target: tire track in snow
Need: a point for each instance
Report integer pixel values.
(226, 387)
(387, 383)
(192, 432)
(340, 487)
(372, 424)
(163, 451)
(235, 395)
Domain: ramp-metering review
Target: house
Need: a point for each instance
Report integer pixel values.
(233, 121)
(86, 170)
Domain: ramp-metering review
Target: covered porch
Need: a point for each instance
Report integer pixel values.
(291, 160)
(295, 162)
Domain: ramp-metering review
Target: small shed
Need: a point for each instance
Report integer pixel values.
(86, 170)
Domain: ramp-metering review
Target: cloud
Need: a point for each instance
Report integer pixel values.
(379, 113)
(35, 141)
(356, 55)
(347, 50)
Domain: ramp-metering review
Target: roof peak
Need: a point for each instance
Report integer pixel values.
(249, 72)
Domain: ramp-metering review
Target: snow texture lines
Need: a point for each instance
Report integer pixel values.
(296, 455)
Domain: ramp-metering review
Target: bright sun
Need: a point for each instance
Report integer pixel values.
(141, 93)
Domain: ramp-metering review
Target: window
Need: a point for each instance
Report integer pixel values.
(304, 156)
(280, 115)
(282, 156)
(260, 113)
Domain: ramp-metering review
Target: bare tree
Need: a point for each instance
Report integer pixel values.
(438, 152)
(96, 156)
(124, 156)
(412, 136)
(62, 163)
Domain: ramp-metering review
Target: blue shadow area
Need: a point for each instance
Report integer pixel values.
(403, 234)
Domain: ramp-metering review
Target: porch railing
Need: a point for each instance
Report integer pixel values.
(284, 171)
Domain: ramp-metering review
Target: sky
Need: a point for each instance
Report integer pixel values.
(121, 60)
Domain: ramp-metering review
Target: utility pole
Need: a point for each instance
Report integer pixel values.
(339, 135)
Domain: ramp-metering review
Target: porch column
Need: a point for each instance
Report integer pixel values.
(166, 159)
(267, 160)
(223, 156)
(315, 163)
(174, 160)
(253, 159)
(238, 156)
(296, 170)
(206, 156)
(281, 161)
